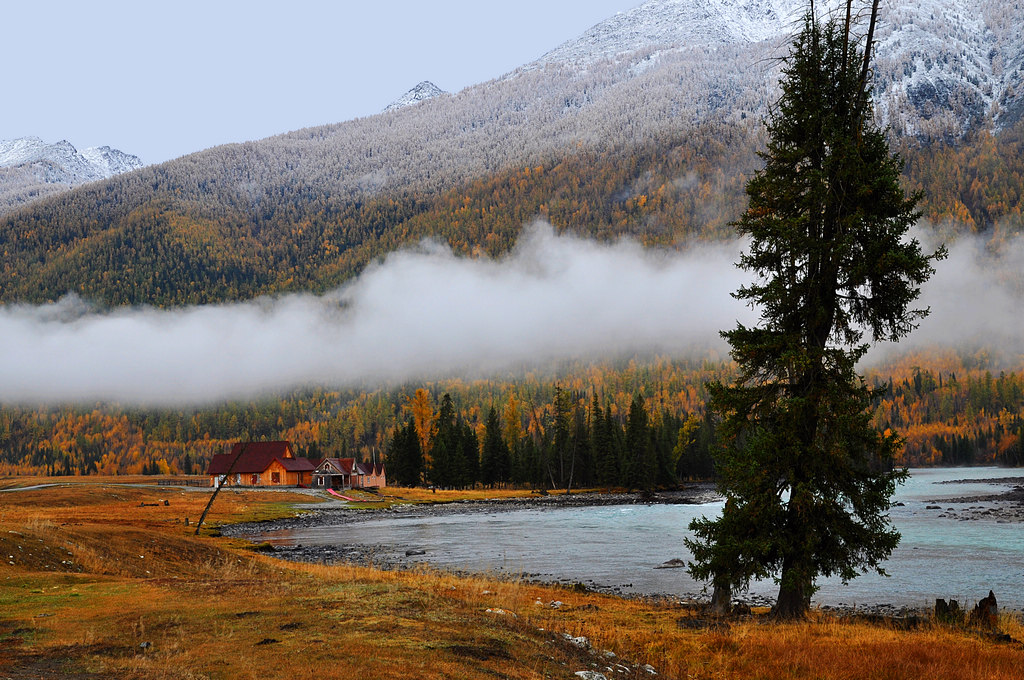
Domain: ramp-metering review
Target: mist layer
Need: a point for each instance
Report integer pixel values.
(426, 313)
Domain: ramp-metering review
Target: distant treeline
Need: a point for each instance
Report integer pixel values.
(570, 423)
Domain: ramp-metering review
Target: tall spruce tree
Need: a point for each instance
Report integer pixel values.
(444, 447)
(495, 459)
(639, 464)
(807, 480)
(404, 457)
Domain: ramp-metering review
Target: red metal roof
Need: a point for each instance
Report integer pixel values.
(257, 457)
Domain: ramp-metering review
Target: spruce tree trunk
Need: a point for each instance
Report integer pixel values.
(794, 593)
(721, 600)
(792, 603)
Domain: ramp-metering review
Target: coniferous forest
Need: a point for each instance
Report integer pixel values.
(195, 245)
(639, 424)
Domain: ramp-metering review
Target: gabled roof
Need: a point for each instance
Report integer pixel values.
(336, 466)
(347, 466)
(257, 457)
(370, 468)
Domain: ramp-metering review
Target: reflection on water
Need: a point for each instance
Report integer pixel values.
(622, 545)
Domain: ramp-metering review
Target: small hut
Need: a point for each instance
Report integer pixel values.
(346, 473)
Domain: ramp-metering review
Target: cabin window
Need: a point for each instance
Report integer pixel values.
(275, 477)
(255, 479)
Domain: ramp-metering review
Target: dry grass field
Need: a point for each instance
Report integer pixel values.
(94, 584)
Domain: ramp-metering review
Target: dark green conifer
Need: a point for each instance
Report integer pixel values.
(494, 460)
(806, 478)
(640, 462)
(444, 446)
(405, 457)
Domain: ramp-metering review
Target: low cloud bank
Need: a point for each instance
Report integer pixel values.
(420, 314)
(428, 314)
(976, 298)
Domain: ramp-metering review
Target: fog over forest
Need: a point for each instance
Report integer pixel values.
(425, 313)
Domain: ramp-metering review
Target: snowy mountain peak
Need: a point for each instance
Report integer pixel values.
(422, 92)
(75, 166)
(940, 66)
(111, 161)
(31, 168)
(679, 23)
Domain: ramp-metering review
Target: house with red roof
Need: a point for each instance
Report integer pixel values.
(346, 473)
(260, 464)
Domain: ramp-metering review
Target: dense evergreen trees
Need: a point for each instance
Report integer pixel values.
(951, 409)
(405, 457)
(495, 458)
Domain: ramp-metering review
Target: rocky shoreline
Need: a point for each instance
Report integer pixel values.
(1004, 508)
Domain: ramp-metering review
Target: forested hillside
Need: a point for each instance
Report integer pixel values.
(604, 137)
(177, 252)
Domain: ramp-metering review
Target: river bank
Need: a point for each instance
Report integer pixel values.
(696, 493)
(959, 538)
(408, 556)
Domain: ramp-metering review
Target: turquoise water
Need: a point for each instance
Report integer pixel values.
(620, 546)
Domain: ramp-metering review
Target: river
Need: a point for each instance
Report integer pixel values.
(956, 551)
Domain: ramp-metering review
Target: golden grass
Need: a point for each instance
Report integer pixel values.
(96, 575)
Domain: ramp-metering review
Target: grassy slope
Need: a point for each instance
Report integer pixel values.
(96, 575)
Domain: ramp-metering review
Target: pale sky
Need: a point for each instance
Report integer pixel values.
(163, 80)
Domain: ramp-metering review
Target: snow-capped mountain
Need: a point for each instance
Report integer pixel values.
(688, 75)
(422, 92)
(76, 166)
(31, 168)
(941, 66)
(111, 162)
(675, 24)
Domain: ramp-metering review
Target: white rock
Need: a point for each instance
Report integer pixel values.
(581, 642)
(501, 612)
(591, 675)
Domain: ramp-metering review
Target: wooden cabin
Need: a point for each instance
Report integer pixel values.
(260, 464)
(346, 473)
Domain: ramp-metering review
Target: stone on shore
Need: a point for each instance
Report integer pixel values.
(674, 563)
